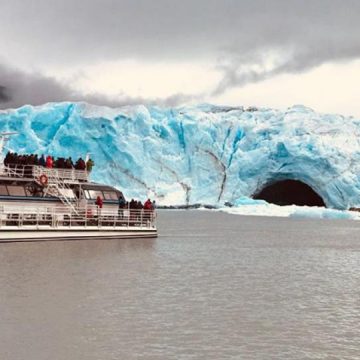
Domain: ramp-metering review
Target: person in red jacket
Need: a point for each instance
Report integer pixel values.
(147, 205)
(49, 162)
(99, 202)
(147, 208)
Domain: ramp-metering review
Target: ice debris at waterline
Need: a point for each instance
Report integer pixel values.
(198, 154)
(246, 206)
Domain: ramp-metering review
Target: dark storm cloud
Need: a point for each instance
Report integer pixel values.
(18, 88)
(241, 33)
(4, 96)
(238, 72)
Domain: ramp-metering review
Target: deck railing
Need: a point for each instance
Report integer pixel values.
(92, 216)
(35, 171)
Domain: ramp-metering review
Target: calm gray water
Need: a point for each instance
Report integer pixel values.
(212, 286)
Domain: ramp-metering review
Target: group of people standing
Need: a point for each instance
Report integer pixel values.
(149, 206)
(136, 205)
(48, 161)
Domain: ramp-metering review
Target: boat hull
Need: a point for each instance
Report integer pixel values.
(25, 235)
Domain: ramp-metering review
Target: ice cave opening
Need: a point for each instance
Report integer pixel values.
(289, 192)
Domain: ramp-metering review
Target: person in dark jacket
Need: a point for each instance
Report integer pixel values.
(42, 161)
(7, 158)
(80, 164)
(69, 163)
(60, 163)
(122, 204)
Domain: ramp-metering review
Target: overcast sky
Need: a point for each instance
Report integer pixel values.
(237, 52)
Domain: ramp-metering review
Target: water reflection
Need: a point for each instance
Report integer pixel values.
(212, 286)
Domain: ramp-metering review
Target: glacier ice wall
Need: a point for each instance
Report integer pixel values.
(198, 154)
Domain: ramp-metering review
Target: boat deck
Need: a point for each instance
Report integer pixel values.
(20, 222)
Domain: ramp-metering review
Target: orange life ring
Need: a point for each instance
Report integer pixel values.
(43, 179)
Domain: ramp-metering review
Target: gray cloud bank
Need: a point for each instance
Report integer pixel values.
(238, 36)
(18, 88)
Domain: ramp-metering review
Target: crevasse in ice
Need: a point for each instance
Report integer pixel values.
(198, 154)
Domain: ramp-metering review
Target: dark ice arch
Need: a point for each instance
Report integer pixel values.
(289, 192)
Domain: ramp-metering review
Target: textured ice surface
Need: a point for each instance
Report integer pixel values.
(198, 154)
(249, 206)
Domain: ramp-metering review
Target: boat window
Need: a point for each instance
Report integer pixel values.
(3, 190)
(16, 190)
(110, 195)
(69, 193)
(87, 195)
(95, 193)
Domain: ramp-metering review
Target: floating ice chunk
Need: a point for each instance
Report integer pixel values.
(265, 209)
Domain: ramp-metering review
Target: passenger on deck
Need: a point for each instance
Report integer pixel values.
(49, 162)
(69, 163)
(99, 205)
(80, 164)
(60, 163)
(147, 208)
(7, 159)
(122, 204)
(99, 202)
(132, 207)
(42, 161)
(148, 205)
(89, 165)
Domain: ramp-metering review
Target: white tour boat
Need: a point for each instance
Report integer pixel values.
(39, 203)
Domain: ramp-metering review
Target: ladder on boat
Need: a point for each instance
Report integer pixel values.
(54, 189)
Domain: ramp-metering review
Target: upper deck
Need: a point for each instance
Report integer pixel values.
(34, 172)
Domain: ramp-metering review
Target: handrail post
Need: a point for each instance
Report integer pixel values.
(129, 216)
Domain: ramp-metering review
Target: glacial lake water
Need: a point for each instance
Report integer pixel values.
(211, 286)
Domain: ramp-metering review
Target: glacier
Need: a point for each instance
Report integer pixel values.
(198, 154)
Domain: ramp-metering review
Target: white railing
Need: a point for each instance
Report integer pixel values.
(92, 216)
(35, 171)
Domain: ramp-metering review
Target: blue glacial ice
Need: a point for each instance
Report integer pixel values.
(198, 154)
